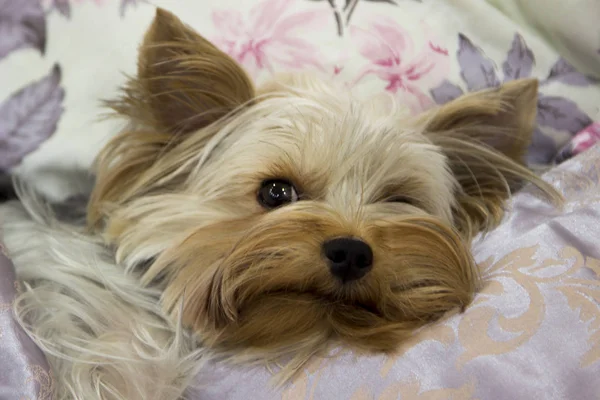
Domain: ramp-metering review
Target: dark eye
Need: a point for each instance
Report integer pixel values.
(276, 193)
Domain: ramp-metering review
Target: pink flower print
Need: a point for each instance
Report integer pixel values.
(586, 138)
(269, 36)
(340, 57)
(394, 59)
(581, 142)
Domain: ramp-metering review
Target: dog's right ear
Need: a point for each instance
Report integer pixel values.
(485, 136)
(183, 82)
(183, 86)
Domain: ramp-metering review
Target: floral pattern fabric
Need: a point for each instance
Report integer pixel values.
(557, 112)
(59, 57)
(24, 371)
(581, 142)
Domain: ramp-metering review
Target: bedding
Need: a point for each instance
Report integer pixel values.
(24, 372)
(534, 329)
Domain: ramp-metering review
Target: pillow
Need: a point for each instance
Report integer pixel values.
(24, 372)
(59, 58)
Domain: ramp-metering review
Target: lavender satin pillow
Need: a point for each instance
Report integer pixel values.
(24, 372)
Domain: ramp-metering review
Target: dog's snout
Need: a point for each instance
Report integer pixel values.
(349, 258)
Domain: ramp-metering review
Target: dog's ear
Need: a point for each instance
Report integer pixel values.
(183, 82)
(184, 85)
(485, 136)
(502, 118)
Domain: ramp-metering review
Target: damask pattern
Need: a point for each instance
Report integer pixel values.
(24, 372)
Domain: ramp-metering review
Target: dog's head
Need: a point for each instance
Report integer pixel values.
(291, 214)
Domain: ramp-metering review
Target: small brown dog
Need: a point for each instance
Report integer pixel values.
(290, 215)
(272, 221)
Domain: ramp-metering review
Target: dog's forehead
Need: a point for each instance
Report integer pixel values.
(334, 134)
(336, 143)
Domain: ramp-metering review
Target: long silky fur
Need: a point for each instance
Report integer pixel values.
(175, 269)
(104, 335)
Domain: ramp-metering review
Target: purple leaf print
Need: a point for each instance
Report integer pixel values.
(446, 92)
(29, 117)
(22, 24)
(565, 73)
(477, 70)
(555, 112)
(542, 148)
(561, 114)
(63, 7)
(519, 61)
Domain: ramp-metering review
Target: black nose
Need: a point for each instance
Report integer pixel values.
(349, 259)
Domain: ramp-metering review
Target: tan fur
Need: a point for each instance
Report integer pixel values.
(184, 83)
(485, 136)
(176, 196)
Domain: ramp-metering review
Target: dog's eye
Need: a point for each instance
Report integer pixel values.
(276, 193)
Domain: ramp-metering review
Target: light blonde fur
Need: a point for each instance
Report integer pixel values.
(178, 249)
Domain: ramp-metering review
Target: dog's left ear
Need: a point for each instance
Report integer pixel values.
(183, 86)
(485, 136)
(184, 82)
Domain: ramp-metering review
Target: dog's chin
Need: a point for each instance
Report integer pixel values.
(270, 287)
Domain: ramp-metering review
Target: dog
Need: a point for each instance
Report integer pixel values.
(261, 222)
